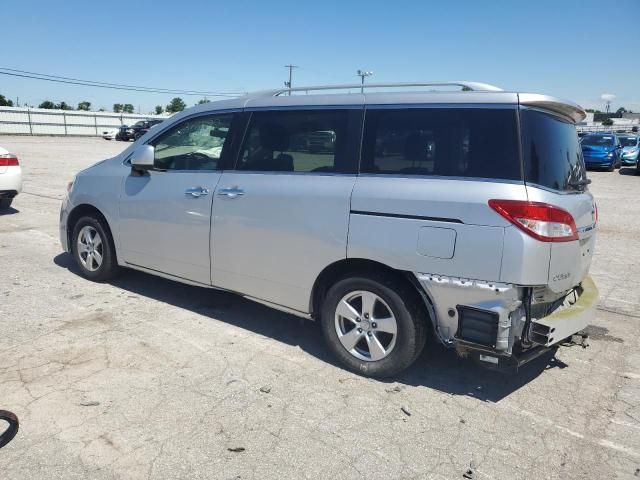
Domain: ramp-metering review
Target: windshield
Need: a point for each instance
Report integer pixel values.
(551, 151)
(598, 141)
(629, 141)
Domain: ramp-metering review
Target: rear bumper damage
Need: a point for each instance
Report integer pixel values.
(502, 324)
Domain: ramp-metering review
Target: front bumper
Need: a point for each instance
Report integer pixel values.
(62, 226)
(599, 162)
(629, 159)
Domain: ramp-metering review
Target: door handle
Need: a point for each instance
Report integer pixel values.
(196, 192)
(231, 192)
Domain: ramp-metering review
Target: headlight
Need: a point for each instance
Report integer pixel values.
(610, 155)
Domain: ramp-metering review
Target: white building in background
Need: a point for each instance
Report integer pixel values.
(626, 123)
(40, 121)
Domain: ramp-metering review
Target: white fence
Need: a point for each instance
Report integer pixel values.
(40, 121)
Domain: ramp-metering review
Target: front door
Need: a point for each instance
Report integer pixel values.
(165, 214)
(282, 215)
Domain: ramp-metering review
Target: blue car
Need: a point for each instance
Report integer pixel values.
(601, 150)
(630, 149)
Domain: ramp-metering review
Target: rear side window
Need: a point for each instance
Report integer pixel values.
(457, 142)
(313, 141)
(552, 153)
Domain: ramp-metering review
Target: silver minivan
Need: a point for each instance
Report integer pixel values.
(388, 215)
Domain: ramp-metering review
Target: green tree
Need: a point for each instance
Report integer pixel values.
(466, 89)
(5, 102)
(607, 122)
(117, 108)
(86, 106)
(159, 110)
(203, 100)
(47, 104)
(63, 106)
(127, 108)
(176, 105)
(621, 110)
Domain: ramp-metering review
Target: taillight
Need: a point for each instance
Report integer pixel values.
(542, 221)
(8, 160)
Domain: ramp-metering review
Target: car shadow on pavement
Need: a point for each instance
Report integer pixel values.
(9, 211)
(437, 368)
(628, 171)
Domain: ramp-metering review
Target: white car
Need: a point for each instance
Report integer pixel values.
(10, 178)
(110, 134)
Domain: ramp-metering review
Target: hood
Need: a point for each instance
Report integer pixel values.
(598, 148)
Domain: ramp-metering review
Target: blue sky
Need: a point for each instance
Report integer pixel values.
(571, 49)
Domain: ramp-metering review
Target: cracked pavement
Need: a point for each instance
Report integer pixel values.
(144, 378)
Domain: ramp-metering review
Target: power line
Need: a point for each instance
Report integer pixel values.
(113, 86)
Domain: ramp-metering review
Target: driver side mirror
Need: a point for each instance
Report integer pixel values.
(143, 158)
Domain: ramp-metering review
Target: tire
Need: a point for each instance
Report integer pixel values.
(100, 267)
(612, 167)
(395, 352)
(5, 202)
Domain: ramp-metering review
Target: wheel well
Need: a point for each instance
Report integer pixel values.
(82, 211)
(355, 266)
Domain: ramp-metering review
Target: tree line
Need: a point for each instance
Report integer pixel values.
(174, 106)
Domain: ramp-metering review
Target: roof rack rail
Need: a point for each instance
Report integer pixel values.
(475, 86)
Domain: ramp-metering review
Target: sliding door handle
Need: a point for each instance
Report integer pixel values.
(197, 192)
(231, 192)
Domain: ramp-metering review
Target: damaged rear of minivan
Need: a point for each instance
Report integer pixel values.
(488, 207)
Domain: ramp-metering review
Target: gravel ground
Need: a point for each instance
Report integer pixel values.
(147, 378)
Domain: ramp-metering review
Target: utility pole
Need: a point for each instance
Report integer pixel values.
(290, 67)
(362, 74)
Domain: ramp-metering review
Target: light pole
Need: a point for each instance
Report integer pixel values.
(362, 74)
(288, 84)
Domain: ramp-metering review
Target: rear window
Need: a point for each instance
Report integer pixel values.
(457, 142)
(552, 153)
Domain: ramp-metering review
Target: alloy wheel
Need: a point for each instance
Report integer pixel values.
(90, 248)
(365, 325)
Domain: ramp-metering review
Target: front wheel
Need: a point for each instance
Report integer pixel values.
(374, 326)
(93, 249)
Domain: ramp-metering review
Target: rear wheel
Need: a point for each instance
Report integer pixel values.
(93, 249)
(373, 326)
(5, 202)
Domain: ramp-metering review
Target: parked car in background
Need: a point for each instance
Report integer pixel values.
(387, 217)
(135, 131)
(10, 178)
(601, 150)
(110, 134)
(630, 149)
